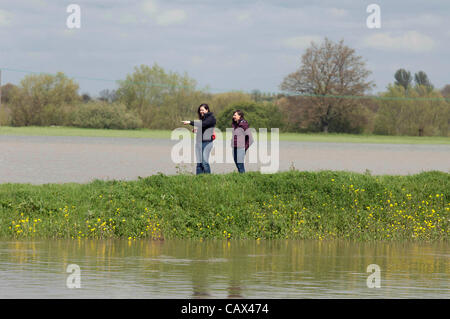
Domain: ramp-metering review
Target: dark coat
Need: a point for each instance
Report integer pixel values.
(206, 125)
(242, 136)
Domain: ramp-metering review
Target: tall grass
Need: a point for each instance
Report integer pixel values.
(295, 205)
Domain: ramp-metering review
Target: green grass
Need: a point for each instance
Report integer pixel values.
(165, 134)
(75, 131)
(354, 138)
(295, 205)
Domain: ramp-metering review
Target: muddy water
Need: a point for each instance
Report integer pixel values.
(57, 159)
(221, 269)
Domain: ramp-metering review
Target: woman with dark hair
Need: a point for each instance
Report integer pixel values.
(242, 139)
(205, 136)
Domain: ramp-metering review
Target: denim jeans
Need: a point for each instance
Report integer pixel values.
(239, 158)
(202, 152)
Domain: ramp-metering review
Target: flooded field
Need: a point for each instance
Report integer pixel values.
(222, 269)
(58, 159)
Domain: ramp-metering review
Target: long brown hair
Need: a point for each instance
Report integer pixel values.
(240, 113)
(206, 106)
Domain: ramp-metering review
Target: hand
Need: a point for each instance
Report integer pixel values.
(186, 122)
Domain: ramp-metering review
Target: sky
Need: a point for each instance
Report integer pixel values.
(224, 45)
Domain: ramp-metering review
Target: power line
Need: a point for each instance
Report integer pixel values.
(292, 94)
(366, 97)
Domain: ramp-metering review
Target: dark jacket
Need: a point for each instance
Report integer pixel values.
(242, 136)
(206, 125)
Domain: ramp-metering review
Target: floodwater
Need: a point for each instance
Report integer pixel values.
(61, 159)
(222, 269)
(212, 269)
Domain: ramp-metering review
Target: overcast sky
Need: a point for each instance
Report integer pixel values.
(227, 44)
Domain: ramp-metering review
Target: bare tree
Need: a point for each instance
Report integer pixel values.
(446, 91)
(108, 96)
(327, 72)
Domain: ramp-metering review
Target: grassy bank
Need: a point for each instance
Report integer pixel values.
(165, 134)
(296, 205)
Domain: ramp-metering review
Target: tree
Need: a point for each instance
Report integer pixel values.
(420, 112)
(259, 96)
(220, 101)
(6, 92)
(446, 91)
(259, 115)
(5, 112)
(294, 112)
(421, 78)
(403, 78)
(162, 99)
(109, 96)
(39, 99)
(329, 69)
(85, 97)
(256, 95)
(103, 115)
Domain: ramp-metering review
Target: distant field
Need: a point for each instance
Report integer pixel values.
(165, 134)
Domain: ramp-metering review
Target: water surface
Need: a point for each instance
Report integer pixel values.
(221, 269)
(62, 159)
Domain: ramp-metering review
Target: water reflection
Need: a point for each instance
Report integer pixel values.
(223, 269)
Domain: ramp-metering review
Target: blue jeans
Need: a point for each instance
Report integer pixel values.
(239, 158)
(203, 157)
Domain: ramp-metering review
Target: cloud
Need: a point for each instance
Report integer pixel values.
(411, 41)
(236, 60)
(128, 19)
(5, 18)
(425, 20)
(67, 32)
(171, 17)
(301, 42)
(38, 3)
(197, 60)
(150, 7)
(430, 20)
(338, 13)
(163, 17)
(144, 11)
(243, 17)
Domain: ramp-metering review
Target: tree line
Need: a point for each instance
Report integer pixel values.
(329, 92)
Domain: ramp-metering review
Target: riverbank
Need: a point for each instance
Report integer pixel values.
(323, 205)
(165, 134)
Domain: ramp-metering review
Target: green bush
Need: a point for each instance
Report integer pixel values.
(105, 116)
(5, 115)
(259, 115)
(41, 99)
